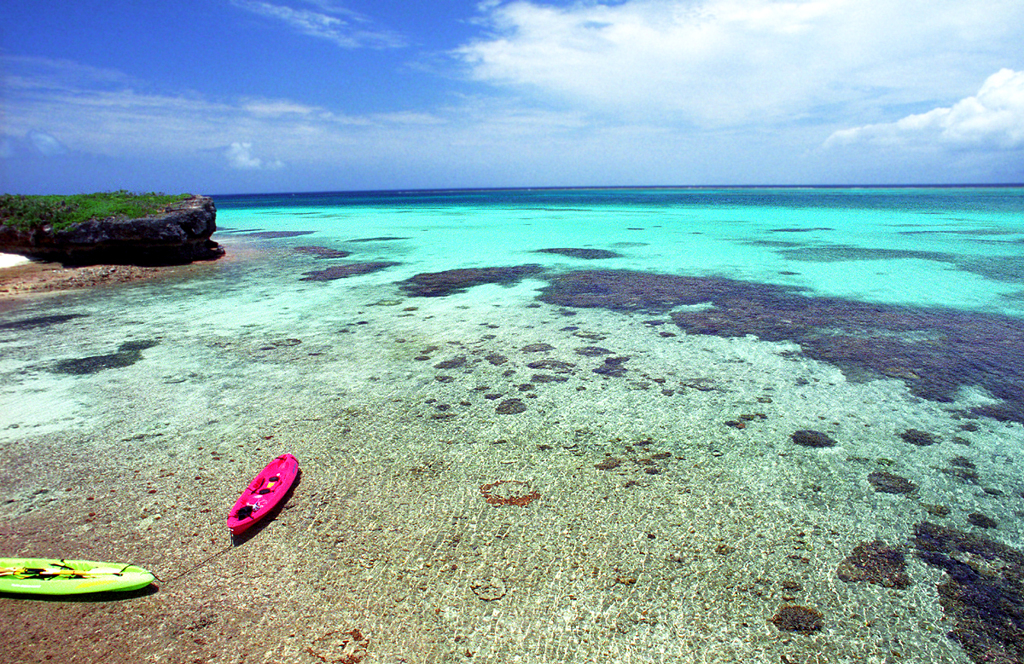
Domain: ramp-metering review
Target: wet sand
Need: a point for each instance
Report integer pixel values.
(38, 277)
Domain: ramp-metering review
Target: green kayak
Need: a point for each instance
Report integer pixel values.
(50, 576)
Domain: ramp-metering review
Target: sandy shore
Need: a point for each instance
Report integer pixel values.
(20, 277)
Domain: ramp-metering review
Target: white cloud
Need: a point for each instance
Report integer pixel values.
(336, 24)
(730, 62)
(240, 156)
(277, 107)
(45, 144)
(991, 119)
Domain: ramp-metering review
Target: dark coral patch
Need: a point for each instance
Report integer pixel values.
(811, 438)
(39, 321)
(448, 282)
(962, 469)
(345, 271)
(592, 351)
(801, 619)
(453, 363)
(552, 365)
(984, 592)
(876, 563)
(127, 354)
(613, 367)
(537, 348)
(623, 290)
(889, 483)
(276, 235)
(935, 351)
(982, 521)
(588, 254)
(323, 252)
(383, 238)
(510, 407)
(919, 438)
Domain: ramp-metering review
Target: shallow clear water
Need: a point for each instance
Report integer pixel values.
(864, 314)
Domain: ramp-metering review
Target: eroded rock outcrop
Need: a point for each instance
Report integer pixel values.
(179, 235)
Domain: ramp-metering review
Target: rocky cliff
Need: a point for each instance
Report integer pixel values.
(179, 235)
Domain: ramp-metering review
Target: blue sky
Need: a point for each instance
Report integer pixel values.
(236, 96)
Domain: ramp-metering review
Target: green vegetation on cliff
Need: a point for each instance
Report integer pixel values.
(63, 211)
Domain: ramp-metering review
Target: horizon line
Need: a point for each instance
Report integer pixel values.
(416, 190)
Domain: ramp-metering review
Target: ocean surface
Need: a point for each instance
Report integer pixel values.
(552, 425)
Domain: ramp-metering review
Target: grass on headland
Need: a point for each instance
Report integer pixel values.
(60, 212)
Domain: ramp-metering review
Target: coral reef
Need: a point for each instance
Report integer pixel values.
(889, 483)
(277, 235)
(127, 354)
(510, 407)
(613, 366)
(984, 592)
(796, 618)
(323, 252)
(345, 271)
(39, 321)
(919, 438)
(876, 563)
(588, 254)
(811, 438)
(440, 284)
(980, 520)
(935, 351)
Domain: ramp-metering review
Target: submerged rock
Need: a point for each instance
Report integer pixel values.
(453, 363)
(983, 594)
(277, 235)
(323, 252)
(980, 520)
(919, 438)
(510, 407)
(613, 367)
(39, 321)
(441, 284)
(811, 438)
(876, 563)
(592, 351)
(889, 483)
(588, 254)
(935, 351)
(800, 619)
(345, 271)
(127, 354)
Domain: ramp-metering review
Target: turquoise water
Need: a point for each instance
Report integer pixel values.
(945, 247)
(646, 385)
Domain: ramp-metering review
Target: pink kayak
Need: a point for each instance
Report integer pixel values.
(264, 493)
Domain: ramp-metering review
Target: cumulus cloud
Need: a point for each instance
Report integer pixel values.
(993, 118)
(727, 62)
(240, 157)
(328, 21)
